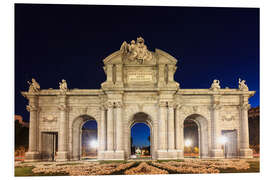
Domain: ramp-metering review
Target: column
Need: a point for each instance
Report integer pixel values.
(245, 151)
(171, 145)
(33, 153)
(179, 133)
(119, 127)
(216, 134)
(62, 132)
(162, 125)
(102, 138)
(110, 127)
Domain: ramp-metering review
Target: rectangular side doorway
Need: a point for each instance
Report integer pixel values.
(230, 147)
(49, 142)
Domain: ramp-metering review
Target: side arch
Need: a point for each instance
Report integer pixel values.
(203, 133)
(77, 133)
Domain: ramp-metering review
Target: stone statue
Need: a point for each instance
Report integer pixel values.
(215, 85)
(242, 85)
(63, 86)
(33, 86)
(136, 51)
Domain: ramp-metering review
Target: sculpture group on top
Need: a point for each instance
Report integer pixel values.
(136, 52)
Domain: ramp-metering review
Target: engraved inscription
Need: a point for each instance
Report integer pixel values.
(140, 76)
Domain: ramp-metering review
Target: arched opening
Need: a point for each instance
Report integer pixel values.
(89, 140)
(140, 137)
(191, 137)
(196, 136)
(84, 138)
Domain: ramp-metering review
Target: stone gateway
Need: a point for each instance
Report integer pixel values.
(140, 87)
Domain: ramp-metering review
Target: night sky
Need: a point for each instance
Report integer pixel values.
(54, 42)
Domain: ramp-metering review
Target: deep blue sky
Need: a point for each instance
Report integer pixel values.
(140, 133)
(53, 42)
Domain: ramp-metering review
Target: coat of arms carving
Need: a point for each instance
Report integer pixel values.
(136, 52)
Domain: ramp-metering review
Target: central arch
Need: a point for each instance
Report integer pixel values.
(77, 135)
(141, 117)
(202, 126)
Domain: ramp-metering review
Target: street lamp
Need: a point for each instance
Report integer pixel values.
(188, 143)
(93, 144)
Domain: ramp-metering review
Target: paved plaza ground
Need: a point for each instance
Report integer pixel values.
(137, 167)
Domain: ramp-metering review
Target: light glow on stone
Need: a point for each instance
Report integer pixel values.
(223, 139)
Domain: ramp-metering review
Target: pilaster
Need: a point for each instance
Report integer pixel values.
(171, 144)
(119, 75)
(216, 150)
(179, 133)
(161, 75)
(110, 126)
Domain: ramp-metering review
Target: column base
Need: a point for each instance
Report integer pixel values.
(62, 156)
(166, 154)
(246, 153)
(180, 154)
(111, 155)
(32, 156)
(217, 153)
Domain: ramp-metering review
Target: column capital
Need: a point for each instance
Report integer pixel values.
(178, 106)
(245, 107)
(32, 108)
(119, 104)
(171, 104)
(63, 107)
(109, 104)
(162, 104)
(102, 107)
(215, 107)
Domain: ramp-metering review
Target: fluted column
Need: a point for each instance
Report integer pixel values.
(110, 127)
(215, 133)
(171, 145)
(63, 131)
(102, 139)
(119, 126)
(245, 151)
(179, 132)
(162, 125)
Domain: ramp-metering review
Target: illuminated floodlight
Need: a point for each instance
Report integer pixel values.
(223, 139)
(93, 144)
(188, 143)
